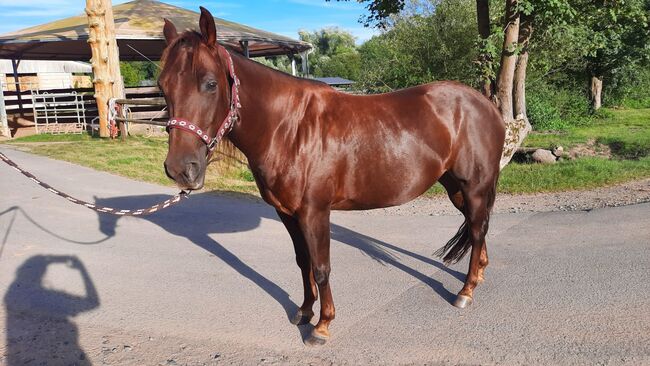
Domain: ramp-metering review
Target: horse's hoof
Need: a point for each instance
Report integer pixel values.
(462, 301)
(301, 317)
(316, 339)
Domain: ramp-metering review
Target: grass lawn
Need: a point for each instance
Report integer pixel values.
(139, 158)
(626, 132)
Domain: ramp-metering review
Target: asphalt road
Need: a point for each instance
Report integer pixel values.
(212, 281)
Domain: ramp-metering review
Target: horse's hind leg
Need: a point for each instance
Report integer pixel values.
(452, 185)
(474, 198)
(305, 312)
(479, 199)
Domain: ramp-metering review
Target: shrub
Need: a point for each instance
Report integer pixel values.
(553, 108)
(628, 87)
(543, 115)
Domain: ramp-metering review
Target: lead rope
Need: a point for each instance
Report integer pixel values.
(139, 212)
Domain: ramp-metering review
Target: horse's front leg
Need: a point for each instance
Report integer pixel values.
(305, 312)
(315, 225)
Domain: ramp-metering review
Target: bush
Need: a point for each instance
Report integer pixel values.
(543, 115)
(628, 87)
(553, 108)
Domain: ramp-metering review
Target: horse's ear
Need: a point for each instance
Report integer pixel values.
(208, 29)
(169, 30)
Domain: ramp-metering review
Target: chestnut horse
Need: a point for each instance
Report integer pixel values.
(313, 149)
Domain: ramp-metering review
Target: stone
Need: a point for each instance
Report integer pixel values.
(543, 156)
(558, 151)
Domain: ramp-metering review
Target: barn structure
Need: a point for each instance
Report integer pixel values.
(139, 37)
(41, 75)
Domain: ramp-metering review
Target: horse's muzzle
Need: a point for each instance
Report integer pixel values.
(189, 175)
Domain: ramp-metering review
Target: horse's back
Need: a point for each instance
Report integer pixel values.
(396, 145)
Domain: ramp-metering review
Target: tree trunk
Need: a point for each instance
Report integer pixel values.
(105, 58)
(596, 92)
(516, 128)
(519, 97)
(508, 61)
(483, 20)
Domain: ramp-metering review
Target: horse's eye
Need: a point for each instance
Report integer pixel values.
(211, 85)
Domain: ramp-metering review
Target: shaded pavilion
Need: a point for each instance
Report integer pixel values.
(138, 30)
(139, 36)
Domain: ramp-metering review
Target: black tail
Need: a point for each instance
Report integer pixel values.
(459, 244)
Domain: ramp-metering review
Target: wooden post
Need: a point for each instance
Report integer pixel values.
(105, 58)
(244, 46)
(305, 64)
(4, 125)
(14, 66)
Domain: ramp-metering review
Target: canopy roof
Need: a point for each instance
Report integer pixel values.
(138, 28)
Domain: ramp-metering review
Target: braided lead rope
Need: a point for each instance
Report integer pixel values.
(139, 212)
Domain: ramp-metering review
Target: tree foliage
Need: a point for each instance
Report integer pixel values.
(420, 49)
(334, 54)
(618, 34)
(379, 11)
(135, 72)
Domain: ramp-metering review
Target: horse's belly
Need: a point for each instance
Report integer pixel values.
(387, 189)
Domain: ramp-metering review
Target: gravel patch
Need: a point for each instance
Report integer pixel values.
(619, 195)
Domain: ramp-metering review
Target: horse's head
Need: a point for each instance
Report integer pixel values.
(195, 82)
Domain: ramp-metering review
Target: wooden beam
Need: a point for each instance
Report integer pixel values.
(105, 58)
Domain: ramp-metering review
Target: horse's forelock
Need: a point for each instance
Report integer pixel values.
(190, 39)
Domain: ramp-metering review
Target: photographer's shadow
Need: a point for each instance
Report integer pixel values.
(207, 213)
(39, 326)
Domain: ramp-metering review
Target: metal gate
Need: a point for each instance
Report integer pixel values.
(58, 113)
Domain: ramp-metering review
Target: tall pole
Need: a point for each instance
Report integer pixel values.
(105, 58)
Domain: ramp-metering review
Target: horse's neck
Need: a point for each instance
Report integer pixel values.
(260, 90)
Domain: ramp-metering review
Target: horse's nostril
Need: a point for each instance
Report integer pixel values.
(192, 170)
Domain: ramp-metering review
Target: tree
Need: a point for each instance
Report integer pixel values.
(420, 47)
(486, 55)
(134, 72)
(516, 128)
(335, 53)
(620, 35)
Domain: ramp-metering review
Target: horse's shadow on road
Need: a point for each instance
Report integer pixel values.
(208, 213)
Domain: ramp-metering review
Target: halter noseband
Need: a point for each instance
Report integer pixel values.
(228, 122)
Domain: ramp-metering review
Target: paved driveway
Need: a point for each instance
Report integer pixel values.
(212, 280)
